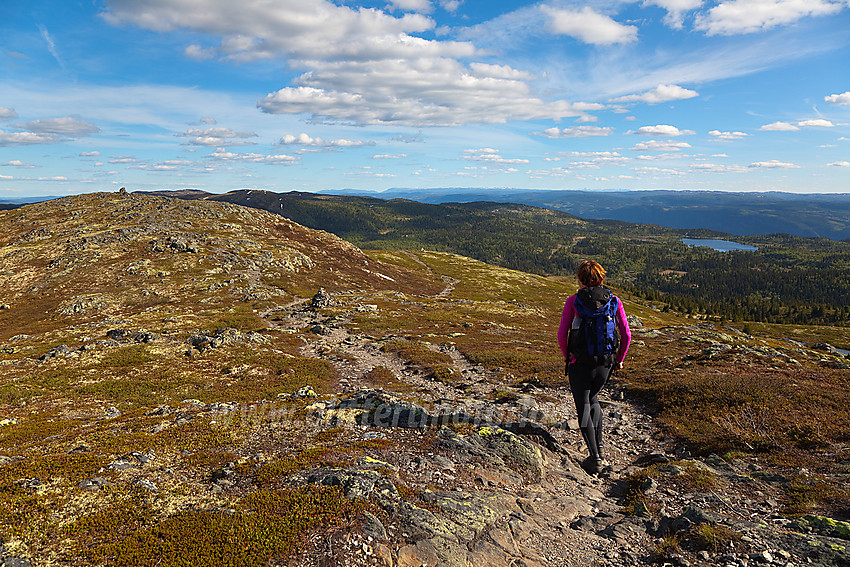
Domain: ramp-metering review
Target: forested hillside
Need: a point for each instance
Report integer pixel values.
(789, 279)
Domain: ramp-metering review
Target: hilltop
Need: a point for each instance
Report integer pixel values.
(197, 382)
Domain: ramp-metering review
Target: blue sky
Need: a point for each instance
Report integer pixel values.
(737, 95)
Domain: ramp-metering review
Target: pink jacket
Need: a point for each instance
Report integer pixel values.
(567, 320)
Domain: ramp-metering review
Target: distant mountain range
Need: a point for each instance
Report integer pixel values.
(826, 215)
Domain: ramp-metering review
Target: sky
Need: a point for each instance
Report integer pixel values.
(312, 95)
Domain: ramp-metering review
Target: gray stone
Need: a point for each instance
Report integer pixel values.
(373, 527)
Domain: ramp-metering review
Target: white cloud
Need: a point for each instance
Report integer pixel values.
(661, 93)
(7, 114)
(389, 156)
(218, 136)
(18, 163)
(221, 154)
(718, 168)
(94, 153)
(361, 65)
(676, 10)
(773, 164)
(576, 132)
(779, 127)
(306, 140)
(747, 16)
(660, 146)
(839, 164)
(423, 6)
(817, 122)
(199, 53)
(499, 71)
(68, 126)
(123, 159)
(662, 130)
(657, 171)
(727, 135)
(842, 99)
(450, 6)
(490, 155)
(588, 26)
(24, 138)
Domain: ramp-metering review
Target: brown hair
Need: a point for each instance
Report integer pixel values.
(590, 273)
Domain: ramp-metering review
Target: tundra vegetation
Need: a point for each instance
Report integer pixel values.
(179, 381)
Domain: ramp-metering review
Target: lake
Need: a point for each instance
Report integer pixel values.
(719, 245)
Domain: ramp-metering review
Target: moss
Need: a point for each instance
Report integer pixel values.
(266, 526)
(123, 357)
(714, 537)
(269, 473)
(329, 434)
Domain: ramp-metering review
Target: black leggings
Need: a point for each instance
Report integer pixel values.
(586, 382)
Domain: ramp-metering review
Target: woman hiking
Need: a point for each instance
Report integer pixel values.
(594, 336)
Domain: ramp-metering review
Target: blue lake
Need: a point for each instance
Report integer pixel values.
(719, 245)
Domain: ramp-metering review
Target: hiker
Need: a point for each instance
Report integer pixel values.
(594, 336)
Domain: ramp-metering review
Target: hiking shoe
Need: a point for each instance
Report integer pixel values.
(593, 465)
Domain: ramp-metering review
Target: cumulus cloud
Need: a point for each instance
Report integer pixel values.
(576, 132)
(773, 164)
(718, 135)
(18, 163)
(779, 127)
(839, 164)
(24, 138)
(661, 93)
(306, 140)
(389, 156)
(7, 114)
(842, 99)
(68, 126)
(717, 168)
(820, 122)
(588, 26)
(218, 136)
(423, 6)
(676, 10)
(199, 53)
(660, 146)
(94, 153)
(361, 65)
(167, 165)
(662, 130)
(747, 16)
(221, 154)
(491, 156)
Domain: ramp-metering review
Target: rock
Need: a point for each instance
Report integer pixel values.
(146, 484)
(355, 484)
(373, 527)
(305, 392)
(634, 322)
(160, 410)
(93, 484)
(112, 413)
(321, 299)
(762, 557)
(824, 526)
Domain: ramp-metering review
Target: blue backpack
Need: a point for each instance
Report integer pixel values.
(593, 334)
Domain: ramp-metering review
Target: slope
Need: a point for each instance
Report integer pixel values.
(194, 400)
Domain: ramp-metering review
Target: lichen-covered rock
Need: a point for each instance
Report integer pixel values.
(824, 526)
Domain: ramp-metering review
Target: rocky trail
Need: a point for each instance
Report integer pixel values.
(497, 495)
